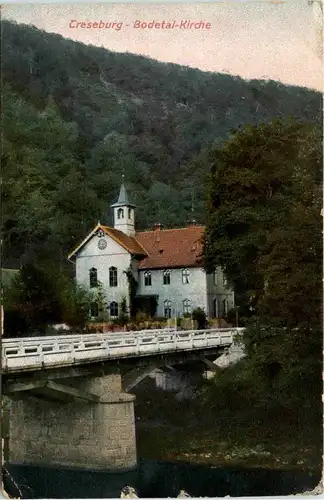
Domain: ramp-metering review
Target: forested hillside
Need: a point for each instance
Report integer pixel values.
(75, 117)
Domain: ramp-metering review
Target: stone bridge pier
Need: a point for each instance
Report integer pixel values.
(86, 423)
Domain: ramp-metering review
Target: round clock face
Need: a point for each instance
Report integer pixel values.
(102, 243)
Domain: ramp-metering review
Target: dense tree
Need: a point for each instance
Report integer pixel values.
(265, 229)
(46, 202)
(259, 181)
(40, 295)
(74, 301)
(30, 302)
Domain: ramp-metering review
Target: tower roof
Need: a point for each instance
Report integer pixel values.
(123, 199)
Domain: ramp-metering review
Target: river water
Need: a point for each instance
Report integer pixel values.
(156, 479)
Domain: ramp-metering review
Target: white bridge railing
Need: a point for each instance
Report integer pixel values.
(36, 353)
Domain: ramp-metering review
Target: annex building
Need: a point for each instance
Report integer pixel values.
(164, 266)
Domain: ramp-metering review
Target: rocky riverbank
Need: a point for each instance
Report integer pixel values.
(173, 430)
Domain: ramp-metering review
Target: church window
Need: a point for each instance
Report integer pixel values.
(113, 276)
(225, 307)
(166, 277)
(186, 306)
(215, 308)
(120, 213)
(147, 278)
(129, 213)
(224, 280)
(93, 276)
(185, 276)
(215, 277)
(167, 308)
(114, 309)
(94, 310)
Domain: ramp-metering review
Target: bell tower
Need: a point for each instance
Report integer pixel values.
(124, 212)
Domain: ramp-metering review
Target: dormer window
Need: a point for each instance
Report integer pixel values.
(120, 213)
(166, 277)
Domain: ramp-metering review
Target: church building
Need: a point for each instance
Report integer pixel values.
(161, 268)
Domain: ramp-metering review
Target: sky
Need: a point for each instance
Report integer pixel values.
(253, 39)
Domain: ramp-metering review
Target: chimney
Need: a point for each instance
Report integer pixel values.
(157, 228)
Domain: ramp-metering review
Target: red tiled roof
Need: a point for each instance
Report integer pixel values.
(166, 248)
(128, 242)
(161, 248)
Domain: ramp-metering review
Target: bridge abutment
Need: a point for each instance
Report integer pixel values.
(57, 426)
(87, 421)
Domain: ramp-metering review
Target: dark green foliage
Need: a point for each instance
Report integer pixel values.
(75, 302)
(32, 299)
(15, 322)
(39, 296)
(43, 178)
(199, 315)
(7, 276)
(75, 117)
(232, 317)
(132, 289)
(265, 230)
(264, 221)
(123, 316)
(124, 306)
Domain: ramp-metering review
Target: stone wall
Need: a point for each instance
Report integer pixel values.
(78, 434)
(231, 356)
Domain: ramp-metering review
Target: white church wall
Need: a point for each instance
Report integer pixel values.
(113, 255)
(176, 291)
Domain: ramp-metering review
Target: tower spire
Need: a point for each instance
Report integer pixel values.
(124, 213)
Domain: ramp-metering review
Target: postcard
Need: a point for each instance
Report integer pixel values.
(162, 257)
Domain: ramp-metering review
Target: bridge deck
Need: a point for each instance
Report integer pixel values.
(37, 353)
